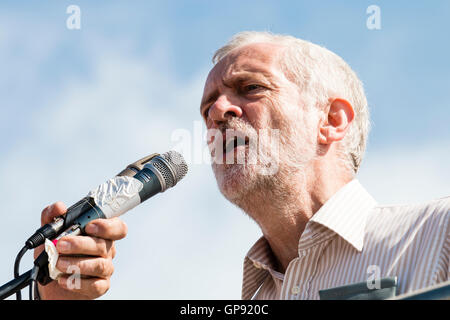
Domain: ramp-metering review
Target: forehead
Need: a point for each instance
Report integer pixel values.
(262, 58)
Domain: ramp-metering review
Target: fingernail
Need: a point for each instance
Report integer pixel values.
(91, 228)
(63, 246)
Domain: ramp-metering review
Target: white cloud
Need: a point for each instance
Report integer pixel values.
(411, 174)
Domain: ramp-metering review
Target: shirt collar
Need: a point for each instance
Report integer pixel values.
(257, 263)
(346, 213)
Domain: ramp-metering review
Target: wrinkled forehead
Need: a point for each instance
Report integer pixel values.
(253, 58)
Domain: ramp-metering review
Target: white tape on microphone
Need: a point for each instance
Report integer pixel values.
(114, 197)
(117, 195)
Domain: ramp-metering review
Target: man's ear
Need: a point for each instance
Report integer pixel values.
(334, 128)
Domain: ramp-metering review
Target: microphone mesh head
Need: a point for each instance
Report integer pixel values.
(171, 166)
(176, 161)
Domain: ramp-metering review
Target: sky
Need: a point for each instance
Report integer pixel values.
(78, 105)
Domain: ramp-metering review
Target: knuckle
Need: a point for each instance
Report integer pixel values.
(113, 251)
(119, 228)
(99, 287)
(78, 266)
(102, 267)
(102, 247)
(124, 229)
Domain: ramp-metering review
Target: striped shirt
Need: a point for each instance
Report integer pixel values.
(349, 240)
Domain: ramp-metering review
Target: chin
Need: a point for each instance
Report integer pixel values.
(235, 180)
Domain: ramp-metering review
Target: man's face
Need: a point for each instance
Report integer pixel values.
(248, 92)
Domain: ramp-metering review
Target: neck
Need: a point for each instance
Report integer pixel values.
(283, 209)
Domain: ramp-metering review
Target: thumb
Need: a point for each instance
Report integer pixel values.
(47, 215)
(52, 211)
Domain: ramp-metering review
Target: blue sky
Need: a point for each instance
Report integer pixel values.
(78, 105)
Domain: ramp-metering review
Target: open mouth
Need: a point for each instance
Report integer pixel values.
(234, 143)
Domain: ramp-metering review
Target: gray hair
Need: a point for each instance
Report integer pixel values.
(322, 75)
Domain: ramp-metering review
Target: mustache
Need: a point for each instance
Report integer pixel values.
(234, 126)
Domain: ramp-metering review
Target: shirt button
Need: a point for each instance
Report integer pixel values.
(295, 290)
(257, 265)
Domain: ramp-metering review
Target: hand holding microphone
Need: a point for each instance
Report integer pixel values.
(88, 243)
(97, 250)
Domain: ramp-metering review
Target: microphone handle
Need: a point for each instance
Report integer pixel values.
(76, 229)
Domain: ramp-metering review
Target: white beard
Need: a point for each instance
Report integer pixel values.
(239, 182)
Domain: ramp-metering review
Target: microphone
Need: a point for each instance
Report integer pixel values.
(122, 193)
(59, 224)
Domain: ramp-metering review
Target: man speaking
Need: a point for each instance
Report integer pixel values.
(321, 228)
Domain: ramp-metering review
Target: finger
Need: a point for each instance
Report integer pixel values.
(91, 288)
(113, 251)
(86, 266)
(55, 210)
(111, 229)
(84, 245)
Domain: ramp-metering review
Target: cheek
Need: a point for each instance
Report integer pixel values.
(256, 114)
(267, 112)
(296, 125)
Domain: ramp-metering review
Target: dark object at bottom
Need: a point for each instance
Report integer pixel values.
(361, 291)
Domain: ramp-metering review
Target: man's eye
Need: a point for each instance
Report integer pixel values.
(252, 87)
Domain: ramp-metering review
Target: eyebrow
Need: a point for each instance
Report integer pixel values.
(245, 75)
(241, 76)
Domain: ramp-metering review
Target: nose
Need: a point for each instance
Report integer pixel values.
(222, 109)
